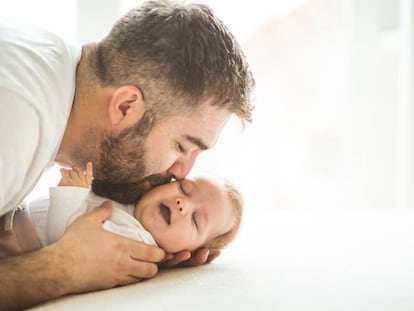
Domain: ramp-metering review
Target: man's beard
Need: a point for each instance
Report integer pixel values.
(128, 192)
(120, 172)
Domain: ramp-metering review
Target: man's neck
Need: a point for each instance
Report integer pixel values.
(83, 109)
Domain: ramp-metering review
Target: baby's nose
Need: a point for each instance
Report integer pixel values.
(179, 203)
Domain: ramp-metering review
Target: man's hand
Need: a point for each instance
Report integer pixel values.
(86, 258)
(99, 259)
(186, 259)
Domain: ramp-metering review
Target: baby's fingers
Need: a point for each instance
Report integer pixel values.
(65, 177)
(76, 172)
(89, 173)
(64, 171)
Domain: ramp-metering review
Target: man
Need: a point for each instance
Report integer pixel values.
(141, 104)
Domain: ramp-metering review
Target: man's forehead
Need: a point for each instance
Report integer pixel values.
(202, 129)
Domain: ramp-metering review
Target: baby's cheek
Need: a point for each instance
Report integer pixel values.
(171, 243)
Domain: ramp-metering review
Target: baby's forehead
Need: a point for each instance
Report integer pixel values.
(207, 180)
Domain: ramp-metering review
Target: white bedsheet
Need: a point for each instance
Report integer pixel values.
(286, 260)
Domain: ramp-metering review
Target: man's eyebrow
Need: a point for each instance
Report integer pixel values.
(197, 141)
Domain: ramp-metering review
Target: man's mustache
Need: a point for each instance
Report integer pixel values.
(127, 192)
(157, 179)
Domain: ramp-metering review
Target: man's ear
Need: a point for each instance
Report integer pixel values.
(126, 106)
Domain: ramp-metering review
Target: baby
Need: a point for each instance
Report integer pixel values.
(203, 211)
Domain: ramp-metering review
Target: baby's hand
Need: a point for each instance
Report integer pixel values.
(76, 177)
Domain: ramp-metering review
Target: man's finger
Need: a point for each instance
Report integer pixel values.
(142, 269)
(145, 252)
(102, 212)
(176, 259)
(213, 255)
(199, 257)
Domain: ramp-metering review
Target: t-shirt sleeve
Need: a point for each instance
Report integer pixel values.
(19, 138)
(66, 204)
(38, 211)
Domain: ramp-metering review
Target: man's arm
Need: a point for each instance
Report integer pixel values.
(87, 258)
(19, 137)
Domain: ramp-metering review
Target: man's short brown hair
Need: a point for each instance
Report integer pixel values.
(176, 54)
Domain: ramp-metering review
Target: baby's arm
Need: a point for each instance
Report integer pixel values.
(76, 177)
(67, 201)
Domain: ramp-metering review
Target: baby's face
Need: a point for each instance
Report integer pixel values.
(184, 215)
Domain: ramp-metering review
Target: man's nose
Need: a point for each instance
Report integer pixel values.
(182, 166)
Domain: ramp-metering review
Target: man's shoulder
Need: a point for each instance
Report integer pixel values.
(35, 63)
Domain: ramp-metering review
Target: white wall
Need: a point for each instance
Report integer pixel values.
(332, 125)
(375, 100)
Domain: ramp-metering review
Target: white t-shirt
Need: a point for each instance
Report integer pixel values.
(51, 218)
(37, 87)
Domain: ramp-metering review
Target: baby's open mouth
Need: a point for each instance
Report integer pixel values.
(165, 213)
